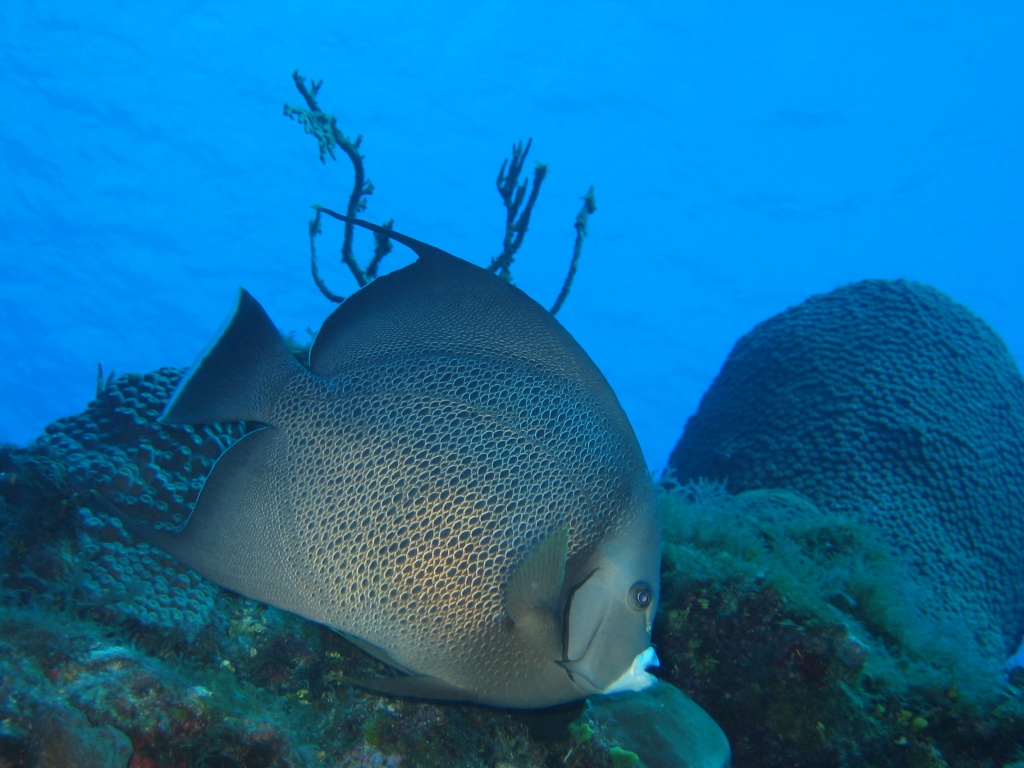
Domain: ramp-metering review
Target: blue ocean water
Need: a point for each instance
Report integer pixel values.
(743, 158)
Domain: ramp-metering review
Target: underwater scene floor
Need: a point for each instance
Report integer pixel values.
(115, 655)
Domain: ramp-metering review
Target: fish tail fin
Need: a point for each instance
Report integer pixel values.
(236, 377)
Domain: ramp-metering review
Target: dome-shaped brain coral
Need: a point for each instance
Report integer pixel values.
(887, 402)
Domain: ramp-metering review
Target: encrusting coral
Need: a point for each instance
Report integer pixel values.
(116, 448)
(77, 555)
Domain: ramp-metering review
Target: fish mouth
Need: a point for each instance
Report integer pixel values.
(635, 678)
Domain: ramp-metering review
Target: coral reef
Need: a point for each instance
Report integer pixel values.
(782, 622)
(64, 737)
(771, 619)
(889, 404)
(777, 618)
(111, 651)
(71, 553)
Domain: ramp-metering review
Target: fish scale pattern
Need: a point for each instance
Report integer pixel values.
(152, 472)
(889, 402)
(453, 469)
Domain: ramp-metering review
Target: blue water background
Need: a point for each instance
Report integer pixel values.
(744, 155)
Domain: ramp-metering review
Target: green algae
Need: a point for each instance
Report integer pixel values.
(623, 758)
(795, 632)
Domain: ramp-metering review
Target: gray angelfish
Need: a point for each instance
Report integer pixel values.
(451, 484)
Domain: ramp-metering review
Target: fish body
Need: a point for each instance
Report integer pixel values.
(451, 483)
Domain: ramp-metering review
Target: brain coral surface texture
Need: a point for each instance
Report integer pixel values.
(889, 402)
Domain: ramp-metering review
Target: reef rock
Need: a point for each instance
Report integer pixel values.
(663, 727)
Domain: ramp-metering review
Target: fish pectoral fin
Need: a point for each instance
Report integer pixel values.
(417, 687)
(535, 587)
(410, 683)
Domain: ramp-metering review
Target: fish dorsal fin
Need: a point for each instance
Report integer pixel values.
(238, 376)
(535, 586)
(443, 305)
(421, 249)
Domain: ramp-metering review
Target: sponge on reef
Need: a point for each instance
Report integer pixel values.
(892, 405)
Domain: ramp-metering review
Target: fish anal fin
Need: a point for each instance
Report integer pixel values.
(416, 687)
(375, 650)
(410, 683)
(535, 587)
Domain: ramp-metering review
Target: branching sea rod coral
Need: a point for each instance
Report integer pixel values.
(513, 194)
(324, 128)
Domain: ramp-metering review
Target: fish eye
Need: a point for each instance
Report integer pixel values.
(641, 596)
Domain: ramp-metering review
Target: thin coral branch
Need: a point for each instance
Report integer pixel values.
(314, 232)
(324, 128)
(589, 206)
(513, 194)
(102, 383)
(313, 120)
